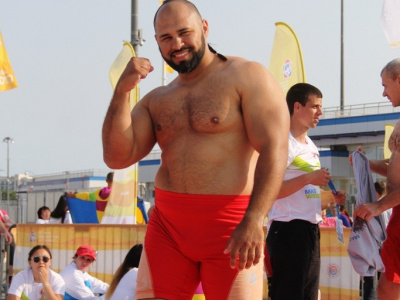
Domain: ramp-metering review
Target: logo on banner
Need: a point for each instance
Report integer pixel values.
(287, 69)
(333, 270)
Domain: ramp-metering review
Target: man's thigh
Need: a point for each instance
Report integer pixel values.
(220, 281)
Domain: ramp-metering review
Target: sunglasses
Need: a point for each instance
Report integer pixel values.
(37, 259)
(89, 260)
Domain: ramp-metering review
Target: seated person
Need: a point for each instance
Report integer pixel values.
(78, 283)
(61, 213)
(43, 215)
(343, 211)
(329, 221)
(38, 281)
(123, 284)
(333, 212)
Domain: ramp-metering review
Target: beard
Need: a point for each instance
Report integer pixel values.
(188, 66)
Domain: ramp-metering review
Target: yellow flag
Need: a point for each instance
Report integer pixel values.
(168, 68)
(388, 132)
(7, 77)
(286, 61)
(118, 66)
(121, 208)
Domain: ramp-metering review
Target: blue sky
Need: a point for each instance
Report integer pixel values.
(61, 52)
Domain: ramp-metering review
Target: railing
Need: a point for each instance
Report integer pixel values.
(359, 110)
(72, 174)
(5, 254)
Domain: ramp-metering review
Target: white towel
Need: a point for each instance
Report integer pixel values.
(366, 237)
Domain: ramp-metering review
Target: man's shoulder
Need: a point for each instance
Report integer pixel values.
(240, 63)
(154, 94)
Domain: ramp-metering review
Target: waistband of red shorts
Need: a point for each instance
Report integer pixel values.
(173, 198)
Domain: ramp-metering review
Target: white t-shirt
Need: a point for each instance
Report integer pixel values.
(77, 284)
(41, 221)
(126, 287)
(304, 204)
(67, 219)
(23, 282)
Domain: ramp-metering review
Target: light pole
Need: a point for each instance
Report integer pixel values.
(8, 140)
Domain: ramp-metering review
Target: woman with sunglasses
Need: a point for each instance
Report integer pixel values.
(78, 283)
(38, 281)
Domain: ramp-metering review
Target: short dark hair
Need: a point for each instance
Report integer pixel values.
(40, 210)
(110, 177)
(380, 187)
(300, 93)
(392, 68)
(190, 4)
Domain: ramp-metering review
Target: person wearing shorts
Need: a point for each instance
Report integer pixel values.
(222, 127)
(389, 284)
(191, 245)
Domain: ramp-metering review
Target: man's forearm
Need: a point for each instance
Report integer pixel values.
(379, 166)
(391, 199)
(291, 186)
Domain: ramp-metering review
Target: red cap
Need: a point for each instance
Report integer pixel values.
(85, 250)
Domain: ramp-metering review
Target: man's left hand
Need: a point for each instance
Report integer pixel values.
(246, 241)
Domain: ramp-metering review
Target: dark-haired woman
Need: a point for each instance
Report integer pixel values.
(123, 284)
(61, 213)
(38, 281)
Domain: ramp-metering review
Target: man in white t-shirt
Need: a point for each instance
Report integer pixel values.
(293, 237)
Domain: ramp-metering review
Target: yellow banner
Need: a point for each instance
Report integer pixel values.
(388, 132)
(7, 77)
(338, 280)
(112, 243)
(286, 61)
(123, 198)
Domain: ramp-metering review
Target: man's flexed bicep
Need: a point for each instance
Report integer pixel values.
(127, 135)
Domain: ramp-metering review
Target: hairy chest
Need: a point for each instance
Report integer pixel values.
(205, 109)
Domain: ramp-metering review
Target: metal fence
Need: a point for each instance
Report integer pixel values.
(5, 254)
(359, 110)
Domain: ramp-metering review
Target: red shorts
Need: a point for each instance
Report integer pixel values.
(390, 252)
(184, 244)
